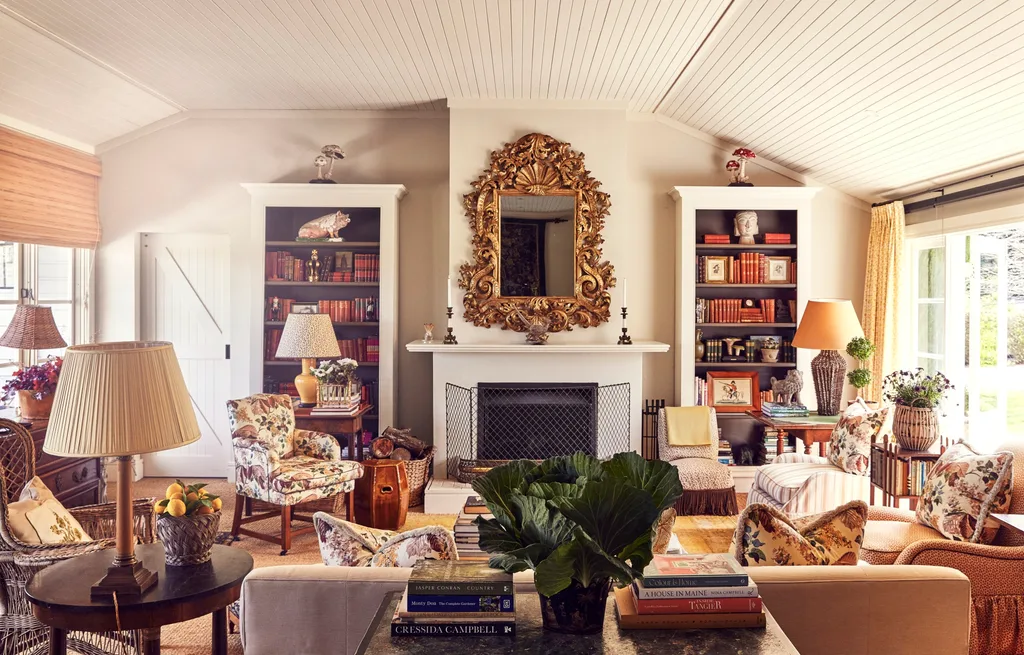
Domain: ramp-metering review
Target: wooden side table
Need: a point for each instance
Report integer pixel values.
(896, 472)
(349, 428)
(60, 596)
(809, 431)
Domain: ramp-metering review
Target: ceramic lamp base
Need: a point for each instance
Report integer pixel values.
(829, 371)
(306, 384)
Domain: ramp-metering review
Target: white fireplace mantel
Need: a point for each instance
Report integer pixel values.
(515, 348)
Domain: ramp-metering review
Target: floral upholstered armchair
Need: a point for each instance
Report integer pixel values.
(283, 466)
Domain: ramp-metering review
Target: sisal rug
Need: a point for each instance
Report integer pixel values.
(697, 534)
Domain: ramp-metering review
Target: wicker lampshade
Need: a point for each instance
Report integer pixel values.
(32, 328)
(827, 325)
(118, 399)
(308, 336)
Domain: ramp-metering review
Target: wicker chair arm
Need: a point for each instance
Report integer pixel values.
(993, 570)
(41, 556)
(316, 444)
(99, 521)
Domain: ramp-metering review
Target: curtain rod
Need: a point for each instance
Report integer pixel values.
(942, 190)
(966, 194)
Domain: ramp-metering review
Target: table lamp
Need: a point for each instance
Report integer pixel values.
(119, 400)
(308, 337)
(828, 325)
(32, 328)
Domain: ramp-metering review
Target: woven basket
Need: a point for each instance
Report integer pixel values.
(419, 472)
(187, 539)
(915, 428)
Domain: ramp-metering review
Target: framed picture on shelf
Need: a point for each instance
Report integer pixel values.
(759, 338)
(305, 308)
(733, 391)
(778, 270)
(716, 270)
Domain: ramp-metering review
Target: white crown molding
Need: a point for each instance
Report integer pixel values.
(46, 135)
(522, 103)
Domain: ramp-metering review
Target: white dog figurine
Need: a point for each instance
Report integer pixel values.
(325, 227)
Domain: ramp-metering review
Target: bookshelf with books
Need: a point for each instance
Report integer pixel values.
(355, 282)
(739, 294)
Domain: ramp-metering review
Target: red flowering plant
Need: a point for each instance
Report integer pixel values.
(40, 379)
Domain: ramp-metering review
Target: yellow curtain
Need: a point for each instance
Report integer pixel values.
(882, 290)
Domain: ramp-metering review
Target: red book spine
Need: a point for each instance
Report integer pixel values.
(698, 605)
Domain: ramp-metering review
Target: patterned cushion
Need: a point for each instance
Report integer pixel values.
(302, 473)
(766, 537)
(405, 549)
(885, 540)
(850, 445)
(268, 418)
(703, 474)
(347, 544)
(962, 489)
(783, 481)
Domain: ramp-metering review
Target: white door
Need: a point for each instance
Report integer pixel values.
(185, 300)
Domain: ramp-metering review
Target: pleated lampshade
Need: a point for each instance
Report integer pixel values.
(307, 336)
(117, 399)
(32, 328)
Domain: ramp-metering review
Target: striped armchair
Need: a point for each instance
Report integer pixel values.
(807, 484)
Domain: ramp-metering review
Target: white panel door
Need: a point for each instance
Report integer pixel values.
(185, 300)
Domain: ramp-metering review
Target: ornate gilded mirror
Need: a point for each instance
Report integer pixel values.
(536, 215)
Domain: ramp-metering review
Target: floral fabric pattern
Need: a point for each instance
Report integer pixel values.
(266, 417)
(347, 544)
(766, 537)
(315, 444)
(302, 473)
(407, 548)
(850, 445)
(963, 489)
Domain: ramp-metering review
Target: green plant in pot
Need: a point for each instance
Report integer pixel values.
(580, 523)
(861, 350)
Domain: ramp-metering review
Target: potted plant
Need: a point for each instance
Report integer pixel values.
(917, 397)
(861, 350)
(770, 350)
(35, 386)
(579, 523)
(338, 385)
(187, 521)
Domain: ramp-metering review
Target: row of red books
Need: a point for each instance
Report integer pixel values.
(731, 310)
(367, 268)
(284, 266)
(716, 238)
(745, 268)
(363, 349)
(357, 310)
(777, 238)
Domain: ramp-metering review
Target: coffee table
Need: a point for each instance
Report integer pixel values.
(60, 596)
(532, 639)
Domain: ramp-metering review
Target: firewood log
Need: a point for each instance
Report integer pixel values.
(402, 454)
(405, 439)
(382, 447)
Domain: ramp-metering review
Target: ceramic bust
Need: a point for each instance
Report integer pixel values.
(745, 225)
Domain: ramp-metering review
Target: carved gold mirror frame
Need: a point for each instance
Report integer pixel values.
(538, 165)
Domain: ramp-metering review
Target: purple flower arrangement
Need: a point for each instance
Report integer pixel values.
(40, 379)
(916, 389)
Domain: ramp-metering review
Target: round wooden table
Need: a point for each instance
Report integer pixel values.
(60, 596)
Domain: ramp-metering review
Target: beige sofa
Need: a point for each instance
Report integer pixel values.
(840, 610)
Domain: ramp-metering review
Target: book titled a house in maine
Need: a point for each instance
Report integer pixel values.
(714, 570)
(454, 578)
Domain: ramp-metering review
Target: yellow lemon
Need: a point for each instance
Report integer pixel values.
(203, 509)
(174, 489)
(158, 508)
(217, 504)
(203, 493)
(176, 497)
(192, 496)
(176, 508)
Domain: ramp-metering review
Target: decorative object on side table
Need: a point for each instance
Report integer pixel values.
(382, 494)
(861, 350)
(328, 155)
(733, 391)
(307, 337)
(787, 390)
(577, 541)
(737, 167)
(917, 397)
(428, 333)
(324, 228)
(828, 325)
(770, 350)
(119, 400)
(745, 226)
(32, 328)
(186, 523)
(337, 384)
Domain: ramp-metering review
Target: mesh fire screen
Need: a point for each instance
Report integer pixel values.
(490, 424)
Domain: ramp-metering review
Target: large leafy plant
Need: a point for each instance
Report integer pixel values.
(575, 517)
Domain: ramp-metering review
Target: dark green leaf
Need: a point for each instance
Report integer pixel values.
(497, 485)
(549, 490)
(580, 559)
(508, 563)
(495, 538)
(660, 479)
(540, 523)
(567, 468)
(613, 514)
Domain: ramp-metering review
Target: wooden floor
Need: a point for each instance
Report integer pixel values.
(705, 534)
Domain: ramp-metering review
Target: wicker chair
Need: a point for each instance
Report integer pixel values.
(20, 632)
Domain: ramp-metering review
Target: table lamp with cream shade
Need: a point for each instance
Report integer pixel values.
(119, 400)
(828, 325)
(308, 337)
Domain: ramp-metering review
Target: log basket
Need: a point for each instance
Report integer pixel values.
(419, 472)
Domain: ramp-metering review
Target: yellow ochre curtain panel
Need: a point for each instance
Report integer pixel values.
(882, 290)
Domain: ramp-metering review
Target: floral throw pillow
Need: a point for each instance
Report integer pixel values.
(405, 549)
(963, 489)
(766, 537)
(850, 445)
(347, 544)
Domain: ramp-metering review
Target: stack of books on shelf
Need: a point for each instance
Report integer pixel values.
(766, 398)
(367, 268)
(716, 239)
(736, 310)
(775, 410)
(467, 535)
(745, 268)
(680, 592)
(700, 391)
(771, 438)
(725, 452)
(446, 598)
(908, 477)
(777, 238)
(357, 310)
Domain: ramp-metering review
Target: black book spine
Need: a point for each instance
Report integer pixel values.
(481, 629)
(430, 588)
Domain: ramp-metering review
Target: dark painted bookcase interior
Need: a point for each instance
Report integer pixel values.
(739, 429)
(362, 235)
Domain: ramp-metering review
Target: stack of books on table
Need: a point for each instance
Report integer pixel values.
(775, 410)
(467, 535)
(446, 598)
(680, 592)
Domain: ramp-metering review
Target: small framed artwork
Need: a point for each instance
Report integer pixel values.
(305, 308)
(733, 392)
(716, 270)
(778, 270)
(343, 261)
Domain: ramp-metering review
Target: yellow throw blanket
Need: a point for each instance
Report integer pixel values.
(688, 426)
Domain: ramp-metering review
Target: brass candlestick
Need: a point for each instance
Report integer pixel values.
(625, 339)
(449, 339)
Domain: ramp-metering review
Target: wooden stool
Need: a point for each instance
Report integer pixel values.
(382, 494)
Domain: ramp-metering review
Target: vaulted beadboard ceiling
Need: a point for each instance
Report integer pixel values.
(869, 96)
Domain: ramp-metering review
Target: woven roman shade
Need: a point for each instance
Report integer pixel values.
(308, 336)
(116, 399)
(32, 328)
(49, 194)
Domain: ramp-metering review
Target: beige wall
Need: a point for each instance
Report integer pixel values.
(185, 178)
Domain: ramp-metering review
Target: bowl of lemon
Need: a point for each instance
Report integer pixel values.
(187, 519)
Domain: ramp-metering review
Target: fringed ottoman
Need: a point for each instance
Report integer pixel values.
(708, 487)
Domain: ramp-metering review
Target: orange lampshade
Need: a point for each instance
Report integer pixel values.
(827, 324)
(32, 328)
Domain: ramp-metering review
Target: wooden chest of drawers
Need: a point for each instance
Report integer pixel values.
(74, 481)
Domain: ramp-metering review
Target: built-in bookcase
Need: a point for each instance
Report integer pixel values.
(357, 283)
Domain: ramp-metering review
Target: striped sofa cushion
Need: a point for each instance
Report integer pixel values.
(782, 481)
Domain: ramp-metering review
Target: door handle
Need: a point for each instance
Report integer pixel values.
(227, 351)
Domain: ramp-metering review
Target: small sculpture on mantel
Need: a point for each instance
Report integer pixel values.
(737, 167)
(536, 328)
(324, 228)
(328, 155)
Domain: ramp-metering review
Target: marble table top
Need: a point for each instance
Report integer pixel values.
(532, 639)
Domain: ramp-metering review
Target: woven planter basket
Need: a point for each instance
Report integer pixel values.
(187, 539)
(915, 428)
(419, 472)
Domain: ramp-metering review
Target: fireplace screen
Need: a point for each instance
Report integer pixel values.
(490, 424)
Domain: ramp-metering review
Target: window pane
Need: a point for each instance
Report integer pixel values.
(930, 365)
(8, 271)
(931, 273)
(62, 316)
(931, 333)
(54, 271)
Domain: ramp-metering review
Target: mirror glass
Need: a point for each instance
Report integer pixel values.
(538, 254)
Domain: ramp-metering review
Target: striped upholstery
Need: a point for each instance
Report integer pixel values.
(806, 484)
